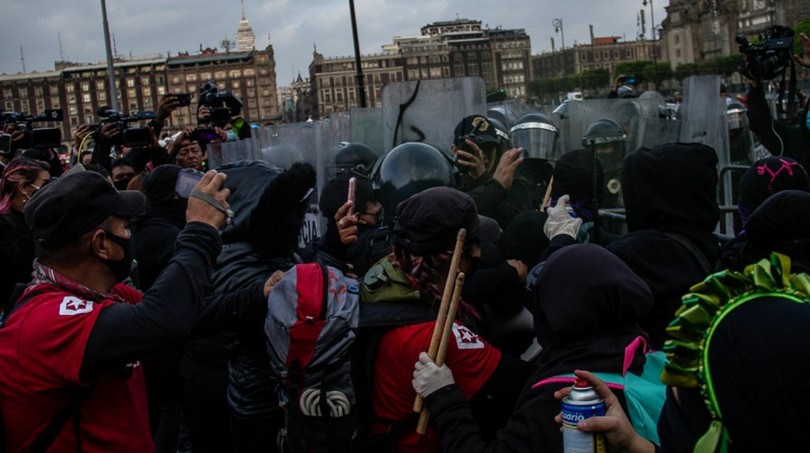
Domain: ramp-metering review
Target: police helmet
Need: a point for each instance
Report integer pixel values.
(603, 131)
(737, 118)
(503, 114)
(537, 135)
(354, 157)
(504, 139)
(407, 170)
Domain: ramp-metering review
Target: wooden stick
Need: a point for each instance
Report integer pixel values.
(445, 304)
(447, 333)
(547, 196)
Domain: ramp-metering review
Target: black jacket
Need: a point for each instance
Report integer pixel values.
(269, 209)
(590, 330)
(778, 137)
(670, 198)
(17, 250)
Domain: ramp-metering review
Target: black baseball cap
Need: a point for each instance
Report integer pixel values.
(478, 126)
(75, 204)
(428, 222)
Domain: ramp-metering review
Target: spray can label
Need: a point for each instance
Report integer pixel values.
(575, 441)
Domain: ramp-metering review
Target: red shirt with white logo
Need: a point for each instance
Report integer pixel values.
(41, 351)
(471, 359)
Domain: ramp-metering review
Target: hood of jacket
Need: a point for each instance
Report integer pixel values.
(585, 292)
(671, 188)
(268, 205)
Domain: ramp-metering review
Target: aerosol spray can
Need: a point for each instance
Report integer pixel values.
(583, 402)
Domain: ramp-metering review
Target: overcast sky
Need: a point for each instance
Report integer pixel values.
(293, 26)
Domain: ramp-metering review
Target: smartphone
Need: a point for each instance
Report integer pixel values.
(186, 181)
(5, 144)
(350, 197)
(183, 99)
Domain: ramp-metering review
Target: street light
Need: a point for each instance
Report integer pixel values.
(361, 90)
(558, 28)
(652, 28)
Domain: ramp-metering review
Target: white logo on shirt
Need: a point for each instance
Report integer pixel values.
(466, 339)
(74, 306)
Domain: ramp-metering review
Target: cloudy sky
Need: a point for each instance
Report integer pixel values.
(292, 26)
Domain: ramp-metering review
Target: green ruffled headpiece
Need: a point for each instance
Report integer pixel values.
(702, 311)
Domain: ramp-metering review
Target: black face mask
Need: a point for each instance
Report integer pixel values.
(121, 268)
(121, 184)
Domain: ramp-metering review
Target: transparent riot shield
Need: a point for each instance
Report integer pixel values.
(610, 128)
(223, 153)
(427, 111)
(704, 118)
(658, 131)
(582, 114)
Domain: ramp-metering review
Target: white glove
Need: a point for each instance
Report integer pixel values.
(429, 377)
(560, 221)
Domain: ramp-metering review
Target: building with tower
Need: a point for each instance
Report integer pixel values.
(245, 39)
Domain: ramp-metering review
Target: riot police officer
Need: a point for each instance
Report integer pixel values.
(607, 141)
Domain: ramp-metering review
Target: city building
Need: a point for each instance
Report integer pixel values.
(80, 89)
(696, 31)
(295, 101)
(459, 48)
(601, 53)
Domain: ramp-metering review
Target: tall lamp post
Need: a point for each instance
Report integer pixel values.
(558, 28)
(357, 60)
(652, 28)
(110, 69)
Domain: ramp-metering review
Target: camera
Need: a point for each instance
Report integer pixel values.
(770, 56)
(129, 136)
(183, 99)
(461, 143)
(223, 105)
(34, 137)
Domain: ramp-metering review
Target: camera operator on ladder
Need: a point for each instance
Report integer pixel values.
(780, 138)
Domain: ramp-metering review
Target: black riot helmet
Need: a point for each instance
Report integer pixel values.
(504, 139)
(537, 135)
(407, 170)
(503, 114)
(354, 157)
(607, 141)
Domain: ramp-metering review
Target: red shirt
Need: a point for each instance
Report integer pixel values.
(41, 351)
(470, 358)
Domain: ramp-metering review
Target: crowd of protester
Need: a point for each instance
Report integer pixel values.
(133, 312)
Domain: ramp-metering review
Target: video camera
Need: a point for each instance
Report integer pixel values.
(223, 105)
(129, 136)
(39, 138)
(770, 56)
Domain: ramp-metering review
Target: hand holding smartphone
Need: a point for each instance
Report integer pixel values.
(350, 197)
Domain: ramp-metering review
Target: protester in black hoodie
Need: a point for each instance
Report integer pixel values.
(670, 199)
(154, 232)
(589, 302)
(269, 206)
(757, 357)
